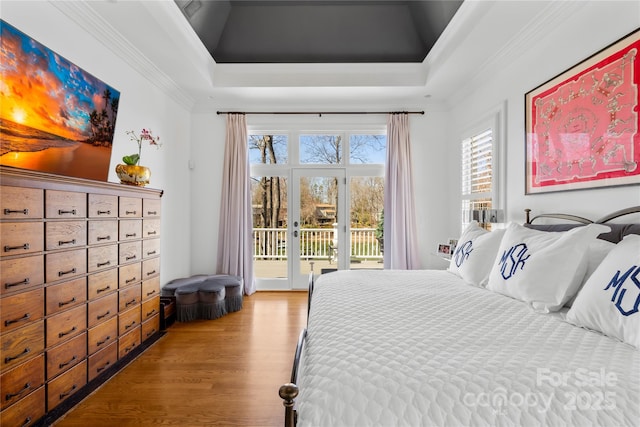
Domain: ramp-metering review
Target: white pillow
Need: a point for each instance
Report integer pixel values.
(596, 252)
(474, 255)
(542, 268)
(610, 299)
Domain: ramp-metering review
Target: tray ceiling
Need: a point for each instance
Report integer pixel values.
(305, 31)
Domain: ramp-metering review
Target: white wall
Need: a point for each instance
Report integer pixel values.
(554, 49)
(141, 105)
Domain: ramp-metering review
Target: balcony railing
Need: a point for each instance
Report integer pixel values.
(315, 243)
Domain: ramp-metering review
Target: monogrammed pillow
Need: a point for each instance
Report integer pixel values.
(475, 253)
(544, 269)
(609, 301)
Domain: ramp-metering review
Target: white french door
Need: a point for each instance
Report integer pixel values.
(318, 225)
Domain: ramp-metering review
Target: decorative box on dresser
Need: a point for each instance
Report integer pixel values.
(79, 291)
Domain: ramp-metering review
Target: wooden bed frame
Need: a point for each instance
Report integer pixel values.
(288, 392)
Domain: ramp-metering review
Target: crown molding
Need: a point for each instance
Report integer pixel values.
(89, 20)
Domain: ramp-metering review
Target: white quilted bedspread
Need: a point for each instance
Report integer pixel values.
(421, 348)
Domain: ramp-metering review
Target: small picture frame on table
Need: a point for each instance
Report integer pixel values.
(444, 250)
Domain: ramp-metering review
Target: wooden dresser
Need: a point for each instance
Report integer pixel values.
(80, 287)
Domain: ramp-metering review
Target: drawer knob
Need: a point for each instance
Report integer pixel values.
(129, 258)
(100, 238)
(106, 288)
(133, 301)
(133, 279)
(128, 349)
(12, 358)
(151, 293)
(107, 338)
(10, 396)
(102, 316)
(151, 272)
(152, 213)
(66, 242)
(63, 303)
(102, 264)
(103, 367)
(104, 212)
(151, 233)
(11, 211)
(62, 273)
(62, 365)
(130, 212)
(151, 253)
(129, 325)
(27, 421)
(151, 312)
(62, 334)
(19, 319)
(63, 212)
(13, 248)
(130, 235)
(11, 285)
(67, 393)
(151, 332)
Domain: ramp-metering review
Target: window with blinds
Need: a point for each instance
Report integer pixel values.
(477, 173)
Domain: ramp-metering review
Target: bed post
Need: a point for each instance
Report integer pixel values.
(527, 216)
(288, 393)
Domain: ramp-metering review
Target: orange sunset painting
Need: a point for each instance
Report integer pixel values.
(54, 116)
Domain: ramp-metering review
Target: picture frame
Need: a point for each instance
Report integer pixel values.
(63, 121)
(453, 243)
(582, 126)
(444, 250)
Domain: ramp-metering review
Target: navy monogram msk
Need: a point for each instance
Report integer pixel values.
(462, 252)
(513, 258)
(622, 285)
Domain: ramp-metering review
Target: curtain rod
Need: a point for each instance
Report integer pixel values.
(320, 113)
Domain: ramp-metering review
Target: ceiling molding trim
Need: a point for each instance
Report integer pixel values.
(548, 17)
(90, 21)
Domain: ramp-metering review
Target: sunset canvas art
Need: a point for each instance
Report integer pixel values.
(54, 116)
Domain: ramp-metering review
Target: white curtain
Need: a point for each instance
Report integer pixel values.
(235, 256)
(400, 238)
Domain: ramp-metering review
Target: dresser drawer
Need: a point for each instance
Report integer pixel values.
(128, 320)
(130, 229)
(103, 360)
(129, 274)
(150, 228)
(150, 268)
(66, 325)
(21, 274)
(100, 284)
(130, 207)
(19, 238)
(59, 389)
(102, 309)
(128, 342)
(150, 248)
(150, 327)
(129, 297)
(102, 335)
(21, 309)
(103, 206)
(25, 412)
(65, 234)
(21, 345)
(21, 203)
(151, 208)
(103, 232)
(102, 257)
(66, 356)
(66, 295)
(65, 204)
(65, 265)
(150, 308)
(21, 380)
(130, 252)
(151, 288)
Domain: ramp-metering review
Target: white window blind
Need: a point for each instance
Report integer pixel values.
(477, 173)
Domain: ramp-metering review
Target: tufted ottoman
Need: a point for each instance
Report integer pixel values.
(187, 303)
(170, 288)
(233, 288)
(211, 294)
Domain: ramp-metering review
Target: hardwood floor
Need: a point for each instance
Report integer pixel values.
(223, 372)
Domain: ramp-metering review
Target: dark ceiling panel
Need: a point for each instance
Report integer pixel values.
(318, 31)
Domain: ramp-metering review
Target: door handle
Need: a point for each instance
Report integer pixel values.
(295, 233)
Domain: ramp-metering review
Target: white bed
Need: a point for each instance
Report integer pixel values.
(473, 346)
(462, 356)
